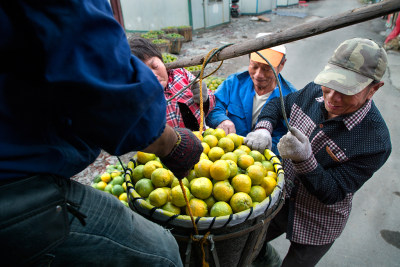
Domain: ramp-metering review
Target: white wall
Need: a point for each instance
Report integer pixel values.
(254, 7)
(287, 2)
(148, 15)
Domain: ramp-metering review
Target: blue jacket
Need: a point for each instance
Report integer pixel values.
(235, 102)
(69, 87)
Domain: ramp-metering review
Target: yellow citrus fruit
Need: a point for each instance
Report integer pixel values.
(272, 174)
(219, 133)
(241, 183)
(203, 156)
(198, 134)
(143, 187)
(202, 168)
(206, 147)
(223, 191)
(256, 174)
(198, 207)
(158, 197)
(257, 156)
(268, 165)
(168, 190)
(268, 154)
(210, 140)
(226, 144)
(208, 131)
(230, 156)
(201, 188)
(161, 177)
(101, 185)
(257, 163)
(175, 182)
(191, 175)
(220, 170)
(149, 167)
(105, 177)
(123, 196)
(143, 157)
(233, 168)
(210, 201)
(239, 152)
(237, 141)
(171, 208)
(215, 153)
(269, 184)
(240, 201)
(257, 193)
(115, 173)
(245, 161)
(220, 208)
(137, 173)
(178, 198)
(244, 148)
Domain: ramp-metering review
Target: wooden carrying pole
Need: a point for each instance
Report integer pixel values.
(296, 33)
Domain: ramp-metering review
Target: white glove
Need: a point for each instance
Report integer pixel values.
(228, 126)
(295, 146)
(196, 92)
(259, 140)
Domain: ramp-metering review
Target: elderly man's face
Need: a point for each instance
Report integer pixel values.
(340, 104)
(263, 77)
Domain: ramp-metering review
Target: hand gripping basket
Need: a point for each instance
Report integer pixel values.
(232, 240)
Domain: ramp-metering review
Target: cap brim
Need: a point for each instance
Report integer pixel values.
(272, 56)
(342, 80)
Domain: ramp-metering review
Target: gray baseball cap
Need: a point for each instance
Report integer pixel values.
(354, 65)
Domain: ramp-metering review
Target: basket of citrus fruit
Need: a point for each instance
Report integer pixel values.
(232, 191)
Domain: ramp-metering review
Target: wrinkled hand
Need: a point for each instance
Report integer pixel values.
(259, 140)
(228, 126)
(196, 92)
(295, 146)
(185, 155)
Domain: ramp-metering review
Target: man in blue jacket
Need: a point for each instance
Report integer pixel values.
(241, 97)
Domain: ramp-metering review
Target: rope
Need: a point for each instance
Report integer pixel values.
(203, 253)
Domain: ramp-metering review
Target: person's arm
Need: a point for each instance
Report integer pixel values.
(109, 98)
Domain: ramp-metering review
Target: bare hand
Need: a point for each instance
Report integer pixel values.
(228, 126)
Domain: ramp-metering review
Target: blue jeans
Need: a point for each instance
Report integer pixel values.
(114, 235)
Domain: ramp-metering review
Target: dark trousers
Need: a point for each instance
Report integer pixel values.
(298, 254)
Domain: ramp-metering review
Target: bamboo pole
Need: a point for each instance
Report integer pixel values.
(295, 33)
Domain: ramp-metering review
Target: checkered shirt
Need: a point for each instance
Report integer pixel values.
(177, 79)
(347, 150)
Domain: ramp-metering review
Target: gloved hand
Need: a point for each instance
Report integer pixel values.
(228, 126)
(196, 92)
(185, 155)
(259, 140)
(295, 146)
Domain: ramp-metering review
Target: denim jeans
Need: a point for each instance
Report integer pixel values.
(114, 235)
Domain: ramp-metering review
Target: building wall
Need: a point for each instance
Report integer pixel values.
(287, 2)
(141, 16)
(148, 15)
(255, 7)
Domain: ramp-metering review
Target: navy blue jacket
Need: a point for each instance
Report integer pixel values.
(69, 87)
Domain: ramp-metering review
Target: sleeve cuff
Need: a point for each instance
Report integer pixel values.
(264, 125)
(306, 166)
